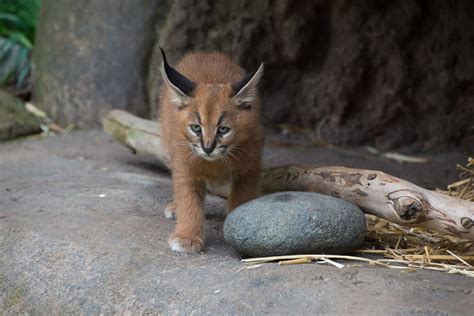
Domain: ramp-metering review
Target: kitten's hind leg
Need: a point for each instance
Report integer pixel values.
(170, 210)
(244, 189)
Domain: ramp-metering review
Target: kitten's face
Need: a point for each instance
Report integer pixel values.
(212, 122)
(215, 119)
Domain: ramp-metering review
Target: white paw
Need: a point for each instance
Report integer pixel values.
(170, 211)
(186, 245)
(176, 246)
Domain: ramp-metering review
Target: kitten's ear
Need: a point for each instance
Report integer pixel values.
(246, 90)
(181, 87)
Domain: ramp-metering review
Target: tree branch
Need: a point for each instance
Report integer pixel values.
(374, 192)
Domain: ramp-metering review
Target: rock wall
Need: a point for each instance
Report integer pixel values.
(385, 73)
(92, 56)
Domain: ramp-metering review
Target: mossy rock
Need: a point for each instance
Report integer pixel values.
(15, 120)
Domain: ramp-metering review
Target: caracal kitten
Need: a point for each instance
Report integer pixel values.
(211, 129)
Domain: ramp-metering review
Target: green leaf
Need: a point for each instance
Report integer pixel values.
(21, 57)
(18, 19)
(10, 18)
(6, 49)
(22, 75)
(21, 39)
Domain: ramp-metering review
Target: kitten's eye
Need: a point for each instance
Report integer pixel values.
(196, 128)
(223, 130)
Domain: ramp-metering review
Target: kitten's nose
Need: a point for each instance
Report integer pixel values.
(208, 148)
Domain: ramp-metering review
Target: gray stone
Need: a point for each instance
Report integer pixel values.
(15, 120)
(286, 223)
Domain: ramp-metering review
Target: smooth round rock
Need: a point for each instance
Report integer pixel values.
(295, 223)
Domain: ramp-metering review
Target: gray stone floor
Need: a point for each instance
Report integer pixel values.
(82, 231)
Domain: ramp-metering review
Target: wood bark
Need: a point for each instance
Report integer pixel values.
(374, 192)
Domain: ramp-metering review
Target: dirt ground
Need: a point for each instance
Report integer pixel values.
(82, 231)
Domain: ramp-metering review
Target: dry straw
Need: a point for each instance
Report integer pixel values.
(404, 248)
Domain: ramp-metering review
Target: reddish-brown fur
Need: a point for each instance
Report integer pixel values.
(213, 74)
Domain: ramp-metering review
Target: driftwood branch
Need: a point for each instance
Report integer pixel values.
(374, 192)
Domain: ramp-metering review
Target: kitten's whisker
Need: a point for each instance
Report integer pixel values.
(191, 154)
(228, 163)
(237, 150)
(234, 155)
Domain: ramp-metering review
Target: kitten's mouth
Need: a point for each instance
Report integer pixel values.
(215, 155)
(211, 158)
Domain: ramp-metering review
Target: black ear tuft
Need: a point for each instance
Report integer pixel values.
(237, 86)
(179, 81)
(246, 90)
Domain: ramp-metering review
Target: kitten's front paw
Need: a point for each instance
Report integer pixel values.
(186, 244)
(170, 211)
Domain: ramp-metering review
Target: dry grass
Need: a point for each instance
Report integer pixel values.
(406, 248)
(464, 188)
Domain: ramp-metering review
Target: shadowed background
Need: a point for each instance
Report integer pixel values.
(385, 73)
